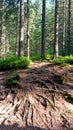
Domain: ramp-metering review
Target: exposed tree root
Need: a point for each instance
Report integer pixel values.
(40, 104)
(65, 122)
(46, 101)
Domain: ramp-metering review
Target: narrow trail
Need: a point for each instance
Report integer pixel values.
(41, 103)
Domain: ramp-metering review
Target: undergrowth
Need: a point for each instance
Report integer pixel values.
(14, 62)
(35, 58)
(63, 61)
(40, 58)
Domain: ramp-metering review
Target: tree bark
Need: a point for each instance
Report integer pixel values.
(43, 28)
(1, 2)
(28, 29)
(17, 31)
(21, 31)
(69, 27)
(56, 30)
(64, 31)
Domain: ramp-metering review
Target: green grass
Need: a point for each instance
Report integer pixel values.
(14, 62)
(66, 60)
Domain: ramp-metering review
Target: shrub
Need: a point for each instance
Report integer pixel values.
(14, 62)
(63, 60)
(39, 58)
(48, 57)
(36, 58)
(69, 59)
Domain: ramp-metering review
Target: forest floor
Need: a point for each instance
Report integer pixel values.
(44, 101)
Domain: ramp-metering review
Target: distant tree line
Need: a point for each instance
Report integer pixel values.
(28, 28)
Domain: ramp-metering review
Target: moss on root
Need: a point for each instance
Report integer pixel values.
(13, 81)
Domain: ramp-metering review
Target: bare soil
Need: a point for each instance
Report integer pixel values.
(41, 103)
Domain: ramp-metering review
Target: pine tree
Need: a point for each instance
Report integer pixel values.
(43, 28)
(28, 29)
(1, 2)
(64, 26)
(69, 28)
(56, 30)
(21, 31)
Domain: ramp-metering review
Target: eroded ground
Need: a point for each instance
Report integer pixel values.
(41, 103)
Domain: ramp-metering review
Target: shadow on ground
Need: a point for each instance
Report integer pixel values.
(16, 127)
(30, 80)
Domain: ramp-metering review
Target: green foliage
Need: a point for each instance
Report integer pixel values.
(69, 59)
(64, 64)
(10, 28)
(9, 54)
(59, 60)
(48, 57)
(13, 81)
(38, 57)
(63, 60)
(14, 62)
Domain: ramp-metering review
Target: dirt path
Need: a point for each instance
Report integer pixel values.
(41, 103)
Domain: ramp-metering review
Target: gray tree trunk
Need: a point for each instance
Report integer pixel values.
(43, 28)
(56, 30)
(69, 28)
(28, 29)
(64, 30)
(1, 2)
(17, 31)
(21, 31)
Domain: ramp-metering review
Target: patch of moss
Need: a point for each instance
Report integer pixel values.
(67, 112)
(13, 81)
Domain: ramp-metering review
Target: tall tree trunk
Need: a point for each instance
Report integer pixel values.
(69, 27)
(17, 30)
(43, 28)
(64, 31)
(21, 31)
(56, 30)
(28, 29)
(1, 2)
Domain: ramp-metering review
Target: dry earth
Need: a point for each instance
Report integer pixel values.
(41, 103)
